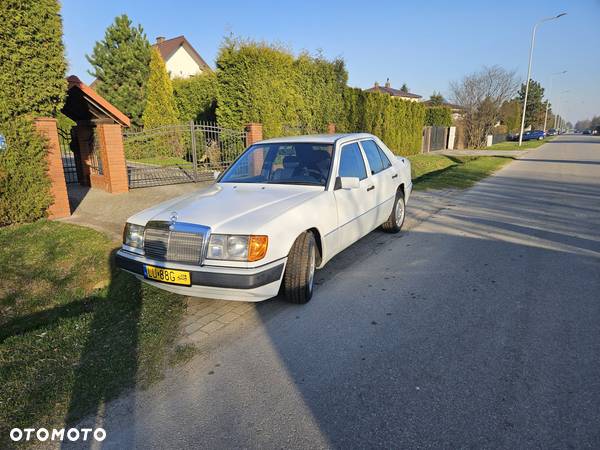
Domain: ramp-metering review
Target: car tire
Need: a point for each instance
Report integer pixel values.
(299, 277)
(396, 219)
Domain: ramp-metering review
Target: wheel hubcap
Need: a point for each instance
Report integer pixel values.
(399, 213)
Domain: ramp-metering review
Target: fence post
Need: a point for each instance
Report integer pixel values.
(114, 165)
(254, 133)
(451, 137)
(194, 154)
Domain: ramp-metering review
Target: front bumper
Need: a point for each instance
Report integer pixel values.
(212, 282)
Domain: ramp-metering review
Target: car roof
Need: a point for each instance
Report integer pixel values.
(318, 138)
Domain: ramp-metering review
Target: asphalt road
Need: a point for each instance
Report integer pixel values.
(479, 327)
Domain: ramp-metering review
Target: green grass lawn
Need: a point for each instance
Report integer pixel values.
(442, 172)
(74, 331)
(164, 161)
(514, 145)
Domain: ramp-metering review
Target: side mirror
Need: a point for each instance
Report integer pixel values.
(347, 183)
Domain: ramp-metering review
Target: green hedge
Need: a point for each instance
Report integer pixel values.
(257, 83)
(321, 85)
(24, 184)
(196, 97)
(297, 95)
(32, 60)
(438, 116)
(399, 123)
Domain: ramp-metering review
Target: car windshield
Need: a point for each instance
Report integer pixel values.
(282, 163)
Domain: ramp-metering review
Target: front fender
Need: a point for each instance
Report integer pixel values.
(319, 213)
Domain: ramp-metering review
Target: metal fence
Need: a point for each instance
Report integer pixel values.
(434, 138)
(68, 156)
(438, 138)
(496, 138)
(180, 153)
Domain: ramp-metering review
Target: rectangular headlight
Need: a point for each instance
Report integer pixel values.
(133, 235)
(235, 247)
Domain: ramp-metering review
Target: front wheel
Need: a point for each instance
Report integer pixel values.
(299, 277)
(396, 219)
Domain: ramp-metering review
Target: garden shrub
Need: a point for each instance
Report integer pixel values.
(24, 184)
(196, 97)
(438, 116)
(160, 106)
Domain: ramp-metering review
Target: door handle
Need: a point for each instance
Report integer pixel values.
(394, 176)
(370, 188)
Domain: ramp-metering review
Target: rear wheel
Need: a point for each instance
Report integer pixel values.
(396, 219)
(299, 277)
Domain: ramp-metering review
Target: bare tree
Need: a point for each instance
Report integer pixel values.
(482, 94)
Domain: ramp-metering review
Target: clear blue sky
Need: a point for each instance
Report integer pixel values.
(425, 43)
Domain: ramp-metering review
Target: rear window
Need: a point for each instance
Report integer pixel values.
(373, 156)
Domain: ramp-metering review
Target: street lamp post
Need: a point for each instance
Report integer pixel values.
(529, 71)
(557, 118)
(547, 100)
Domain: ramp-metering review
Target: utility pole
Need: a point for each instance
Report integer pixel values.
(548, 100)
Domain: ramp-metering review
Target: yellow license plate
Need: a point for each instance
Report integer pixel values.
(168, 275)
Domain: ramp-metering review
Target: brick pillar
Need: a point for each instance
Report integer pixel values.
(46, 127)
(113, 157)
(331, 128)
(254, 133)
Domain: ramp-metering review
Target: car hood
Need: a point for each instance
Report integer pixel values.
(231, 208)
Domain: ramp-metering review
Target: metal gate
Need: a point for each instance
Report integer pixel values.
(180, 153)
(68, 156)
(438, 138)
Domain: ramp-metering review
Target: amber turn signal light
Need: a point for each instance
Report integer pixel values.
(257, 247)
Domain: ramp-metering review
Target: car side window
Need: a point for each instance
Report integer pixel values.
(372, 152)
(351, 162)
(384, 159)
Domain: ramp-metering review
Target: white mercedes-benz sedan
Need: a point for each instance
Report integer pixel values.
(283, 209)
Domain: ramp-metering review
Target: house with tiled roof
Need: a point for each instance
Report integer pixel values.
(396, 93)
(181, 59)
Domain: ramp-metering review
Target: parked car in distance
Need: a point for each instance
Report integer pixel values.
(552, 132)
(534, 135)
(282, 210)
(588, 131)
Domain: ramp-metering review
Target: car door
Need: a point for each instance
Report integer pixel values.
(384, 177)
(355, 207)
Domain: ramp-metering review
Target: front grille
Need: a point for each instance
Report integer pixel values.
(175, 245)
